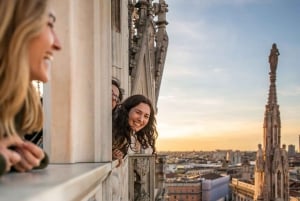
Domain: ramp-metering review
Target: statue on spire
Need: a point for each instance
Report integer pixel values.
(273, 58)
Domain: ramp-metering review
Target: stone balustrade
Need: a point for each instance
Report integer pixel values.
(80, 181)
(141, 177)
(133, 180)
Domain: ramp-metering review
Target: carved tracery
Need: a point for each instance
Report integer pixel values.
(148, 40)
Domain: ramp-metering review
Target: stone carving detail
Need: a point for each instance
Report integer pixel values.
(259, 159)
(141, 170)
(148, 41)
(273, 58)
(141, 177)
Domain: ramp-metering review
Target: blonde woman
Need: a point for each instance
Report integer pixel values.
(27, 46)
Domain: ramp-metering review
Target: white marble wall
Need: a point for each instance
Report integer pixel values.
(78, 100)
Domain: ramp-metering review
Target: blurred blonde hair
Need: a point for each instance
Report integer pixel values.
(20, 105)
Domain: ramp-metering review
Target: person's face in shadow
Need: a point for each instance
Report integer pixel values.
(115, 96)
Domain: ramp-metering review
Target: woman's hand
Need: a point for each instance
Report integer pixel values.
(117, 154)
(9, 157)
(31, 156)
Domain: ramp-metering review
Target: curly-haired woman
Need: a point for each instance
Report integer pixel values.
(134, 126)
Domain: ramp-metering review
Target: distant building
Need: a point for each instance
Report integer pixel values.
(242, 190)
(246, 172)
(210, 187)
(299, 144)
(184, 190)
(291, 150)
(215, 187)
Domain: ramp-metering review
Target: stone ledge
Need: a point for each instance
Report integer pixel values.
(56, 182)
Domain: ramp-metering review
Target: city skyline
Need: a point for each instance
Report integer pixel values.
(215, 82)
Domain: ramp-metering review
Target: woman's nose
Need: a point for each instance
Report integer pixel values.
(141, 118)
(56, 44)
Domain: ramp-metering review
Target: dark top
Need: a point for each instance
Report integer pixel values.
(44, 163)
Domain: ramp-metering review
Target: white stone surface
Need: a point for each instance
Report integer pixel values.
(78, 99)
(56, 182)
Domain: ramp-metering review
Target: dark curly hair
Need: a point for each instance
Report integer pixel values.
(117, 84)
(122, 130)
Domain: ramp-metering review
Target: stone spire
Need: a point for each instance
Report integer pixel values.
(271, 173)
(272, 122)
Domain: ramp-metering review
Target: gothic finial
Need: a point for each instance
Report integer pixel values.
(273, 58)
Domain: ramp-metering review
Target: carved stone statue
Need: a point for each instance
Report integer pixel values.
(273, 58)
(259, 174)
(141, 169)
(259, 159)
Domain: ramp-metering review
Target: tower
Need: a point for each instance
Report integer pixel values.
(271, 172)
(299, 145)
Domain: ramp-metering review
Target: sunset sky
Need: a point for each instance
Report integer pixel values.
(215, 82)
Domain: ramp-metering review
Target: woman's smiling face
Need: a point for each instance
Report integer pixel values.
(41, 51)
(138, 116)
